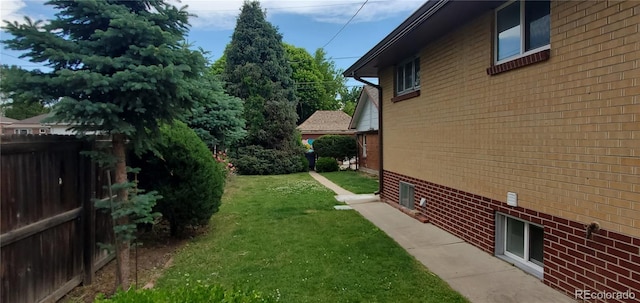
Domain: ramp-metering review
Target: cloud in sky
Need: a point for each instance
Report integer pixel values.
(11, 10)
(222, 14)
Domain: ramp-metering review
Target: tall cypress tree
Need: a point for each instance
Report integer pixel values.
(258, 72)
(119, 67)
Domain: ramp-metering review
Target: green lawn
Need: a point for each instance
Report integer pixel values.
(280, 235)
(355, 182)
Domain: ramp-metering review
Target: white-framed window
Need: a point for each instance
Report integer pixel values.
(22, 131)
(43, 131)
(407, 195)
(522, 27)
(521, 243)
(408, 76)
(364, 146)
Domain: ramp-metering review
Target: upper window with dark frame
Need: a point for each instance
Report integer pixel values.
(522, 28)
(408, 76)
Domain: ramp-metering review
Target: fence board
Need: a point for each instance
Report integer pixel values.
(48, 226)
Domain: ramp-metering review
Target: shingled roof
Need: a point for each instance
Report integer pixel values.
(327, 122)
(5, 120)
(35, 119)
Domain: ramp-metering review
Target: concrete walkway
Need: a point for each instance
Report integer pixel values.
(475, 274)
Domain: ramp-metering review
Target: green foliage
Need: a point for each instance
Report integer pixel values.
(23, 110)
(116, 66)
(186, 174)
(217, 68)
(257, 71)
(333, 80)
(138, 209)
(217, 118)
(326, 164)
(335, 146)
(197, 292)
(256, 160)
(312, 89)
(349, 108)
(349, 99)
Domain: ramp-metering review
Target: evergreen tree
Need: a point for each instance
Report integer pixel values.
(257, 71)
(217, 118)
(119, 67)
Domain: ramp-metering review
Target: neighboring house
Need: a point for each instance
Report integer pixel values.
(35, 126)
(325, 122)
(365, 123)
(5, 125)
(516, 126)
(29, 126)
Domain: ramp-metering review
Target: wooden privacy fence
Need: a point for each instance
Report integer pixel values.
(49, 228)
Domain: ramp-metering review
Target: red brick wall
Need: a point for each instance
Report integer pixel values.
(608, 262)
(372, 161)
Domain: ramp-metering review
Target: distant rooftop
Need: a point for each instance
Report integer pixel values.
(326, 122)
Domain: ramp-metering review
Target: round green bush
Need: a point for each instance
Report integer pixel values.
(256, 160)
(187, 176)
(326, 164)
(336, 146)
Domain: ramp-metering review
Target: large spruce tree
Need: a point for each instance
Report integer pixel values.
(217, 118)
(117, 67)
(257, 71)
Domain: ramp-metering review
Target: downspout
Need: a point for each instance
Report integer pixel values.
(380, 151)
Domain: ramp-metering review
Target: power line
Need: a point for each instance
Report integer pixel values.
(21, 59)
(345, 25)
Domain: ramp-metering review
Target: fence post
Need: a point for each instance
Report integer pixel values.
(89, 223)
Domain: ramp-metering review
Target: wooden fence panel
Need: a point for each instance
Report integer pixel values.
(45, 217)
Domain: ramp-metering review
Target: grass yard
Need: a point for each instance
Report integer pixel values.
(355, 182)
(280, 235)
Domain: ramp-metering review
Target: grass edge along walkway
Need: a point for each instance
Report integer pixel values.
(353, 181)
(280, 235)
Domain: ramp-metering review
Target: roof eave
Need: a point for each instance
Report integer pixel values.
(432, 20)
(406, 26)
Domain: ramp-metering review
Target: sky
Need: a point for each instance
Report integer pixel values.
(310, 24)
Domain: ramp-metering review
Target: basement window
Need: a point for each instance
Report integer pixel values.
(407, 195)
(520, 243)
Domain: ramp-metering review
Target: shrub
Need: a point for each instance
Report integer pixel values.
(195, 293)
(326, 164)
(256, 160)
(335, 146)
(224, 160)
(186, 174)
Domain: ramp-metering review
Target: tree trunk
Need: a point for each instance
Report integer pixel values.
(119, 152)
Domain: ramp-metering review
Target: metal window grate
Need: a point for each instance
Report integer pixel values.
(407, 196)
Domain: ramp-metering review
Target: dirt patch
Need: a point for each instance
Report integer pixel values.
(153, 257)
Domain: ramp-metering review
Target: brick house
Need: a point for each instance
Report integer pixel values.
(516, 126)
(365, 124)
(29, 126)
(5, 125)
